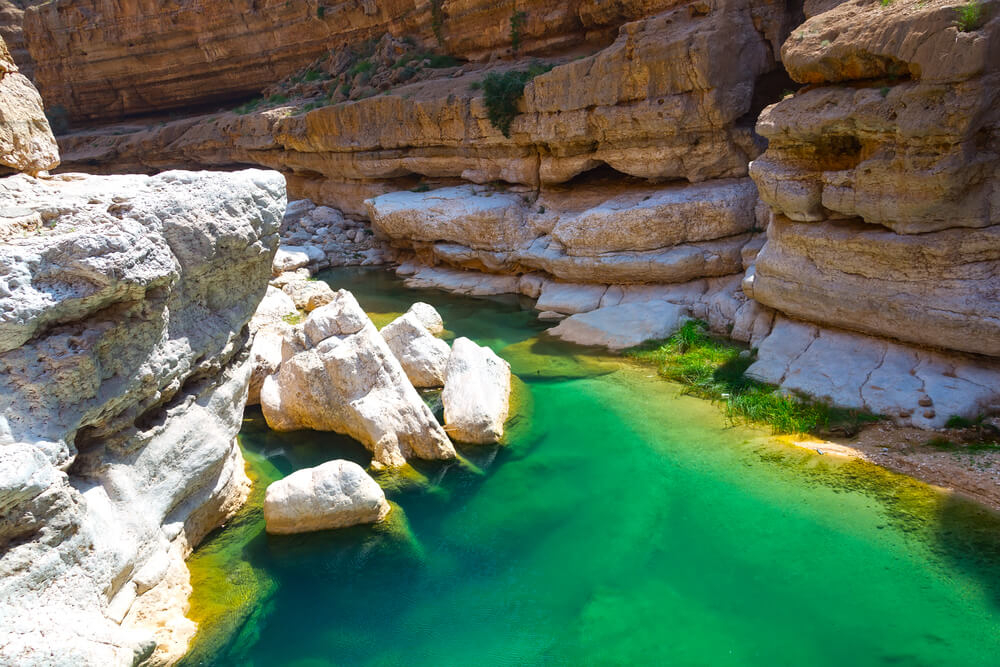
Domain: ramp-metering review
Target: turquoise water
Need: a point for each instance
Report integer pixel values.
(624, 523)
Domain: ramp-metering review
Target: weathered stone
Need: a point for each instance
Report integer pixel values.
(338, 374)
(570, 298)
(884, 377)
(938, 289)
(308, 295)
(428, 316)
(335, 494)
(123, 378)
(423, 357)
(276, 308)
(476, 393)
(623, 326)
(26, 141)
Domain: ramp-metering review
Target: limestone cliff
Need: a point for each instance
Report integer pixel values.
(101, 59)
(11, 31)
(26, 141)
(123, 378)
(884, 179)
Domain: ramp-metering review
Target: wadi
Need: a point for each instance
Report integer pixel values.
(450, 332)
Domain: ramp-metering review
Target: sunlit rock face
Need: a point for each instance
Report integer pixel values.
(884, 177)
(123, 378)
(26, 141)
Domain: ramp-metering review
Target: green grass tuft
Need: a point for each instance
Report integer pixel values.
(715, 369)
(970, 16)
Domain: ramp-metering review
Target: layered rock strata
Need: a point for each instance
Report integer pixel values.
(137, 58)
(123, 377)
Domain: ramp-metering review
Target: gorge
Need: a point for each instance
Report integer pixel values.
(818, 183)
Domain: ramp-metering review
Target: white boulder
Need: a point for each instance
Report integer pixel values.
(623, 326)
(338, 374)
(476, 394)
(424, 358)
(428, 316)
(335, 494)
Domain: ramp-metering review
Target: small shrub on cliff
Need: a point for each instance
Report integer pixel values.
(516, 23)
(970, 16)
(714, 368)
(502, 92)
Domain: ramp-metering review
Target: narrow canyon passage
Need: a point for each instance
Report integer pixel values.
(623, 523)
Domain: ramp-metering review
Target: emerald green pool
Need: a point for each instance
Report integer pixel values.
(625, 523)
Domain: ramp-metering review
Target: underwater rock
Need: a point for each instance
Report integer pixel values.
(335, 494)
(476, 393)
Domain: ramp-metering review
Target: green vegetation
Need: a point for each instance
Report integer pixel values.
(313, 75)
(360, 67)
(516, 23)
(293, 318)
(422, 187)
(248, 107)
(320, 12)
(885, 3)
(970, 16)
(884, 91)
(437, 21)
(502, 91)
(714, 368)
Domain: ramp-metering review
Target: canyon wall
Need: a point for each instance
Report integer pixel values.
(12, 32)
(624, 174)
(124, 303)
(883, 176)
(101, 59)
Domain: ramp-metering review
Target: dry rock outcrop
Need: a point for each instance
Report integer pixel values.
(26, 141)
(123, 375)
(884, 176)
(338, 374)
(476, 394)
(335, 494)
(423, 357)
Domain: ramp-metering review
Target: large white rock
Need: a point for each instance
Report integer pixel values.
(289, 258)
(335, 494)
(570, 298)
(308, 295)
(123, 378)
(476, 394)
(910, 385)
(338, 374)
(265, 357)
(428, 316)
(275, 309)
(423, 357)
(623, 326)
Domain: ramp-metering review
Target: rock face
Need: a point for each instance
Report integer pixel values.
(338, 374)
(476, 393)
(904, 383)
(26, 142)
(423, 357)
(600, 234)
(336, 494)
(622, 326)
(86, 53)
(123, 375)
(884, 177)
(11, 32)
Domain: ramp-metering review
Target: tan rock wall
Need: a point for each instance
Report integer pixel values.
(26, 141)
(885, 176)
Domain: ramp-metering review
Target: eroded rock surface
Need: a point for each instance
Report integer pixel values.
(26, 141)
(335, 494)
(338, 374)
(884, 175)
(476, 393)
(622, 326)
(123, 377)
(423, 357)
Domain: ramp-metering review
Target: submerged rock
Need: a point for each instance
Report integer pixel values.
(424, 358)
(338, 374)
(335, 494)
(622, 326)
(476, 393)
